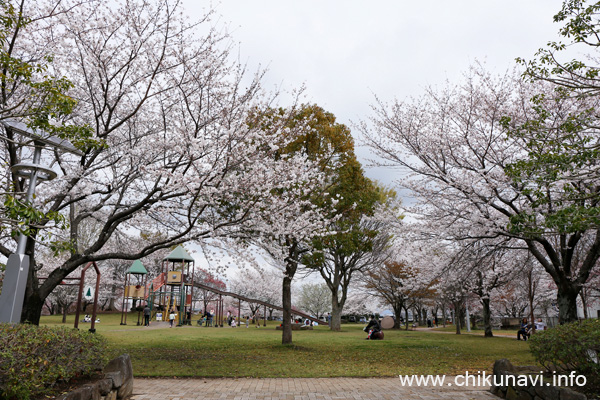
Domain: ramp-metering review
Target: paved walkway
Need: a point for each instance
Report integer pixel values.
(299, 389)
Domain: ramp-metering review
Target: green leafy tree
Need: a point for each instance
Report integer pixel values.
(353, 241)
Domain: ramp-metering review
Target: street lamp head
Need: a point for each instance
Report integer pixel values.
(41, 137)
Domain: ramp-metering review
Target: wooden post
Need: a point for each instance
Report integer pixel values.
(123, 311)
(220, 311)
(81, 282)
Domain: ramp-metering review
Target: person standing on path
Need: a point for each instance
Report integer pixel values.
(147, 315)
(257, 317)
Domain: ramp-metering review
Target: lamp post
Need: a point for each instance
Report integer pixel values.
(17, 265)
(468, 317)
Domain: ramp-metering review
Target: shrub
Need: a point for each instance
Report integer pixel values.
(571, 347)
(33, 359)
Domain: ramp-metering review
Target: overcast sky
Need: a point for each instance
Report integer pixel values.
(347, 51)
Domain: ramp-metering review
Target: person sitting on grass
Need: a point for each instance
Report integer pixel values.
(524, 331)
(373, 328)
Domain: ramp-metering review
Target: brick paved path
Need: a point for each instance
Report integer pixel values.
(298, 389)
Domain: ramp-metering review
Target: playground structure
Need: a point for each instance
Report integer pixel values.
(134, 291)
(79, 284)
(172, 291)
(223, 293)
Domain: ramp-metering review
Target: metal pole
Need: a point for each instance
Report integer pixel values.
(30, 190)
(17, 265)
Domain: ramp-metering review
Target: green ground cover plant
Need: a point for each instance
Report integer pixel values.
(34, 359)
(193, 351)
(571, 347)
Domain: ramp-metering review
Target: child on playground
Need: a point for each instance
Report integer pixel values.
(171, 318)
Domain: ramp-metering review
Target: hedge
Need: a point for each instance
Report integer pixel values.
(33, 359)
(571, 347)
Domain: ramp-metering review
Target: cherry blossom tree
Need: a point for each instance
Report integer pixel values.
(315, 298)
(392, 283)
(486, 266)
(284, 250)
(171, 149)
(207, 278)
(469, 151)
(259, 284)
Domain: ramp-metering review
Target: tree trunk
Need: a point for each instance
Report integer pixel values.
(487, 323)
(531, 286)
(291, 264)
(397, 314)
(33, 301)
(32, 308)
(444, 316)
(584, 303)
(64, 314)
(336, 313)
(567, 304)
(457, 316)
(113, 293)
(568, 286)
(287, 307)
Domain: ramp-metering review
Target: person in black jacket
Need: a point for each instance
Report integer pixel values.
(147, 315)
(524, 331)
(373, 327)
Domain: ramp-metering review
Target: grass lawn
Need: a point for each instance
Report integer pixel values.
(240, 352)
(478, 331)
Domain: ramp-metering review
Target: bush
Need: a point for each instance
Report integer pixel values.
(571, 347)
(34, 359)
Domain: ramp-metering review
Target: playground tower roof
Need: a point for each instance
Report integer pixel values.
(137, 268)
(179, 254)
